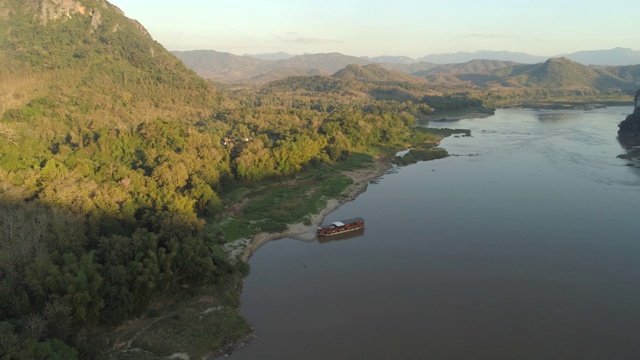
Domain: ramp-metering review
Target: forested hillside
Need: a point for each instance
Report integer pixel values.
(115, 161)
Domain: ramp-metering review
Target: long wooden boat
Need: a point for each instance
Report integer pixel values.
(339, 227)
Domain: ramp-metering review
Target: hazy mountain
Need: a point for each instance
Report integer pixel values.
(391, 59)
(471, 67)
(271, 56)
(229, 68)
(222, 66)
(629, 73)
(462, 57)
(327, 63)
(358, 82)
(373, 74)
(410, 68)
(562, 73)
(614, 57)
(281, 73)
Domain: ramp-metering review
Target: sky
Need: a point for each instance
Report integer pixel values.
(411, 28)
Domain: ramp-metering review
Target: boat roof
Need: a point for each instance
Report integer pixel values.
(352, 220)
(347, 221)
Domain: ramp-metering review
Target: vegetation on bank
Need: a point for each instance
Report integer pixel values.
(120, 170)
(553, 98)
(120, 215)
(103, 225)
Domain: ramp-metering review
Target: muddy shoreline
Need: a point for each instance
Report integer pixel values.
(304, 232)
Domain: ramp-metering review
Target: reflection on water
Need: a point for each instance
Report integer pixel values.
(527, 250)
(342, 236)
(554, 116)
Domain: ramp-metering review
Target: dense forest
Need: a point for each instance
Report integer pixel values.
(115, 161)
(118, 166)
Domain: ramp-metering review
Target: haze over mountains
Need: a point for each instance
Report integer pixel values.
(612, 57)
(557, 73)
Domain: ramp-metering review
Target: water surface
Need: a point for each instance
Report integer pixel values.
(524, 244)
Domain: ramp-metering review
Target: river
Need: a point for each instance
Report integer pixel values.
(524, 244)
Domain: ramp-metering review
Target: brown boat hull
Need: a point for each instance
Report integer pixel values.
(341, 227)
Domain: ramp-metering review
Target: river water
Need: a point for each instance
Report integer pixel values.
(524, 244)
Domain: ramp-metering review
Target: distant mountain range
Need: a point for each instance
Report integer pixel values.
(613, 57)
(229, 68)
(462, 57)
(560, 72)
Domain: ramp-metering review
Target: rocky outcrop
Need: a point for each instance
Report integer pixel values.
(58, 9)
(629, 132)
(62, 10)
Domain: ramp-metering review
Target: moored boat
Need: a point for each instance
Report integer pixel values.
(339, 227)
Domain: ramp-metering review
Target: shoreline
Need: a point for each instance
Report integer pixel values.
(454, 116)
(244, 248)
(300, 231)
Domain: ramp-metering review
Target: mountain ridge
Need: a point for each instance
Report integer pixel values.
(229, 68)
(618, 56)
(475, 73)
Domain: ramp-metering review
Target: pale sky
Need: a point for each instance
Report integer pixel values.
(411, 28)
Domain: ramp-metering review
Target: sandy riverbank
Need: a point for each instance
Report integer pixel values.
(360, 177)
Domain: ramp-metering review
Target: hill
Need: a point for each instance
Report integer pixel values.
(463, 57)
(612, 57)
(560, 73)
(84, 55)
(373, 74)
(109, 160)
(552, 74)
(470, 67)
(390, 59)
(229, 68)
(271, 56)
(323, 63)
(222, 66)
(357, 82)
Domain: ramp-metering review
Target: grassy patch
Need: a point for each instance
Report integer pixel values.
(438, 134)
(355, 161)
(416, 155)
(194, 322)
(272, 208)
(237, 228)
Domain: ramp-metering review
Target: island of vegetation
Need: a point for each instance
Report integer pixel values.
(132, 191)
(629, 133)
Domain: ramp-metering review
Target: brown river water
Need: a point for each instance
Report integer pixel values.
(524, 244)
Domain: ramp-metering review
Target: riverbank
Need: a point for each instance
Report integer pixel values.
(307, 232)
(336, 303)
(205, 320)
(423, 148)
(451, 116)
